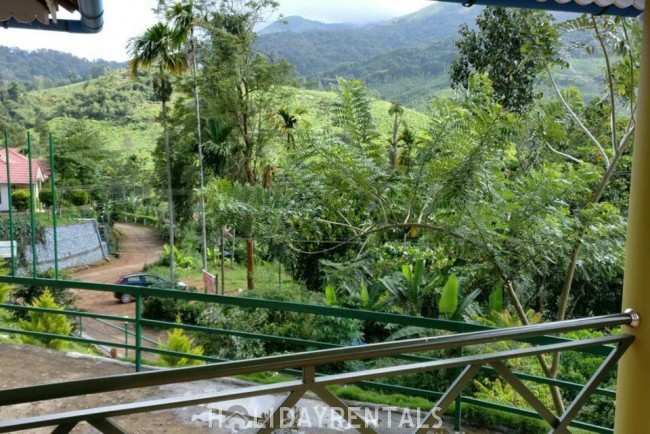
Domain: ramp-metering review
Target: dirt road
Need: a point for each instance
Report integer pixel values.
(139, 245)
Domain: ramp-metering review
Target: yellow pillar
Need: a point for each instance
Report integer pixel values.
(633, 390)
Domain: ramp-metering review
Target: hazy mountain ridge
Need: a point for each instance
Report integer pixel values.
(315, 52)
(296, 24)
(46, 68)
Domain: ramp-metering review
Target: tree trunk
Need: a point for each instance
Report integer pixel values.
(170, 195)
(250, 263)
(199, 138)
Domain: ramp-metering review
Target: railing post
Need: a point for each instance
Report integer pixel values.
(10, 205)
(633, 388)
(126, 338)
(81, 326)
(138, 332)
(32, 204)
(458, 409)
(54, 203)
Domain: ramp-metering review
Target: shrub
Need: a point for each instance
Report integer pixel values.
(45, 197)
(46, 322)
(169, 310)
(28, 295)
(20, 200)
(79, 197)
(179, 342)
(181, 260)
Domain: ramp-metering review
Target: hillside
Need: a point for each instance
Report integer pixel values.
(123, 113)
(46, 68)
(318, 51)
(295, 24)
(407, 58)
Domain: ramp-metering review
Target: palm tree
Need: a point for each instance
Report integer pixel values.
(184, 21)
(158, 47)
(397, 111)
(288, 123)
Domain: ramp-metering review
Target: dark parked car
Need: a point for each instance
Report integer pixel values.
(143, 279)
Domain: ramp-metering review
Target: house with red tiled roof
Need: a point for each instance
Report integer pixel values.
(19, 175)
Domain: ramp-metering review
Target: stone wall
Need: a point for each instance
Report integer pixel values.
(78, 244)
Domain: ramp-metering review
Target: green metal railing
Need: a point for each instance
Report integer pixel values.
(405, 351)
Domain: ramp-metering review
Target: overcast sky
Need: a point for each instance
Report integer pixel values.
(120, 27)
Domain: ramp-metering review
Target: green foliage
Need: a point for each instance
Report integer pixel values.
(5, 290)
(20, 200)
(170, 310)
(45, 197)
(496, 299)
(78, 197)
(179, 342)
(181, 259)
(28, 295)
(45, 322)
(448, 302)
(46, 68)
(352, 113)
(271, 322)
(513, 47)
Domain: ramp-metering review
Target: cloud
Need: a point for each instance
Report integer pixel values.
(125, 19)
(351, 11)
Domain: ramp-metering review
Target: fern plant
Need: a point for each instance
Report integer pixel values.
(46, 322)
(179, 342)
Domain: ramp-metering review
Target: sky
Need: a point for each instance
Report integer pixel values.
(120, 27)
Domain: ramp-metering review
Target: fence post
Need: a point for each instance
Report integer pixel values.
(10, 205)
(138, 332)
(54, 217)
(126, 338)
(32, 204)
(458, 409)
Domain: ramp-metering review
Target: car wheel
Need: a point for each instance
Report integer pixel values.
(126, 298)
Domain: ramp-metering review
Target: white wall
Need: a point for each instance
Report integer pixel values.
(4, 198)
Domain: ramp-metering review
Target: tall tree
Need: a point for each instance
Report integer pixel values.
(184, 19)
(243, 83)
(513, 47)
(158, 47)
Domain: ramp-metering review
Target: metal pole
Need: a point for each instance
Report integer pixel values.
(54, 217)
(126, 338)
(138, 333)
(458, 409)
(223, 270)
(633, 388)
(10, 205)
(32, 201)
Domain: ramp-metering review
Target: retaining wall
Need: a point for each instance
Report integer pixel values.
(78, 244)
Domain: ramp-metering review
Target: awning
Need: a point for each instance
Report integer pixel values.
(625, 8)
(42, 15)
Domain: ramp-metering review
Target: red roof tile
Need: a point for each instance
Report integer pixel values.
(19, 166)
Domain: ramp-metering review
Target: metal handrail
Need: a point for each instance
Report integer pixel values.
(313, 358)
(474, 335)
(296, 388)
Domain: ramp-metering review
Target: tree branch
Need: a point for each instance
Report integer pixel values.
(562, 154)
(610, 80)
(577, 119)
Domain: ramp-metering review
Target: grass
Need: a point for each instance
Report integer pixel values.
(235, 280)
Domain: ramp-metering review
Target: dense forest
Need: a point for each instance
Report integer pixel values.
(46, 68)
(504, 202)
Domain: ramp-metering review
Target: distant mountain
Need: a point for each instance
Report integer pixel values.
(295, 24)
(47, 68)
(404, 59)
(315, 52)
